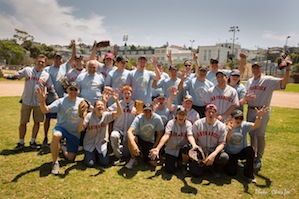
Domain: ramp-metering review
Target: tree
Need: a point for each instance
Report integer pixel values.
(37, 49)
(11, 52)
(23, 38)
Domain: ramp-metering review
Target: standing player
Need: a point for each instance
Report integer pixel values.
(262, 87)
(140, 79)
(35, 77)
(197, 88)
(223, 96)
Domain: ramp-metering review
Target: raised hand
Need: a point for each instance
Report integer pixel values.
(41, 93)
(262, 111)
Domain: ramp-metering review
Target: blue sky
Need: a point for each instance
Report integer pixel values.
(262, 23)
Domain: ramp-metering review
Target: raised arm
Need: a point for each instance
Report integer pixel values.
(168, 55)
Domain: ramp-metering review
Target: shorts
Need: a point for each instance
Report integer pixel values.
(145, 148)
(72, 142)
(38, 116)
(51, 115)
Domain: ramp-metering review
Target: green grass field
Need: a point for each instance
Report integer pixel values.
(27, 174)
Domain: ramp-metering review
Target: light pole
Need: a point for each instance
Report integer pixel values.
(286, 47)
(125, 39)
(191, 41)
(234, 29)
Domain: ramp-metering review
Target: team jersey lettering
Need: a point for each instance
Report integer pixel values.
(221, 97)
(101, 125)
(260, 88)
(207, 133)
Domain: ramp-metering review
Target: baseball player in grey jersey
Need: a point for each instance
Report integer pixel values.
(177, 133)
(118, 136)
(192, 115)
(96, 137)
(35, 78)
(209, 134)
(223, 96)
(262, 87)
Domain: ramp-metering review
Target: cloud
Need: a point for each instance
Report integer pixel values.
(50, 23)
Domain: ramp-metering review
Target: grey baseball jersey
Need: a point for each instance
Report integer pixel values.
(177, 136)
(209, 136)
(124, 121)
(222, 99)
(96, 131)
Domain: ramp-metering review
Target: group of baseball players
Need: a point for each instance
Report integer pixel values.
(186, 120)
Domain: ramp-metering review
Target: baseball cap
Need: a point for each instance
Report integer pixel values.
(221, 71)
(173, 67)
(235, 72)
(57, 54)
(127, 87)
(142, 57)
(237, 113)
(161, 95)
(188, 97)
(181, 109)
(121, 59)
(256, 64)
(211, 107)
(203, 67)
(73, 85)
(147, 106)
(109, 55)
(213, 60)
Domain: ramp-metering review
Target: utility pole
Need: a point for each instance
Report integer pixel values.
(234, 29)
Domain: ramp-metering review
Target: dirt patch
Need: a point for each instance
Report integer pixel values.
(279, 98)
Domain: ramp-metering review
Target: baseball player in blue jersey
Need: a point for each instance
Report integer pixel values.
(236, 143)
(144, 134)
(67, 123)
(262, 86)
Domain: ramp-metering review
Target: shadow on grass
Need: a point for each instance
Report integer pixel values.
(130, 173)
(27, 149)
(167, 176)
(45, 170)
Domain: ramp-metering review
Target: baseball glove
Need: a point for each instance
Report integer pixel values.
(83, 108)
(197, 155)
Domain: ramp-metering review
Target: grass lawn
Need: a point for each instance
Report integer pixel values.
(27, 174)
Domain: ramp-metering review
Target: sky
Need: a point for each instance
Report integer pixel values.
(261, 23)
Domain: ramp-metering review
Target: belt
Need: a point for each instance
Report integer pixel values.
(253, 107)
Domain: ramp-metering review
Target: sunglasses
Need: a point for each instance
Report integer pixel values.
(73, 89)
(238, 118)
(187, 65)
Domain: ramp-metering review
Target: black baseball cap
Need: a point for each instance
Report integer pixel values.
(147, 106)
(173, 67)
(121, 59)
(213, 60)
(237, 113)
(161, 95)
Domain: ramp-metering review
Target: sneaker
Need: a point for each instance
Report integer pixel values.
(80, 148)
(117, 162)
(34, 145)
(250, 180)
(131, 163)
(45, 142)
(55, 168)
(19, 147)
(257, 164)
(240, 164)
